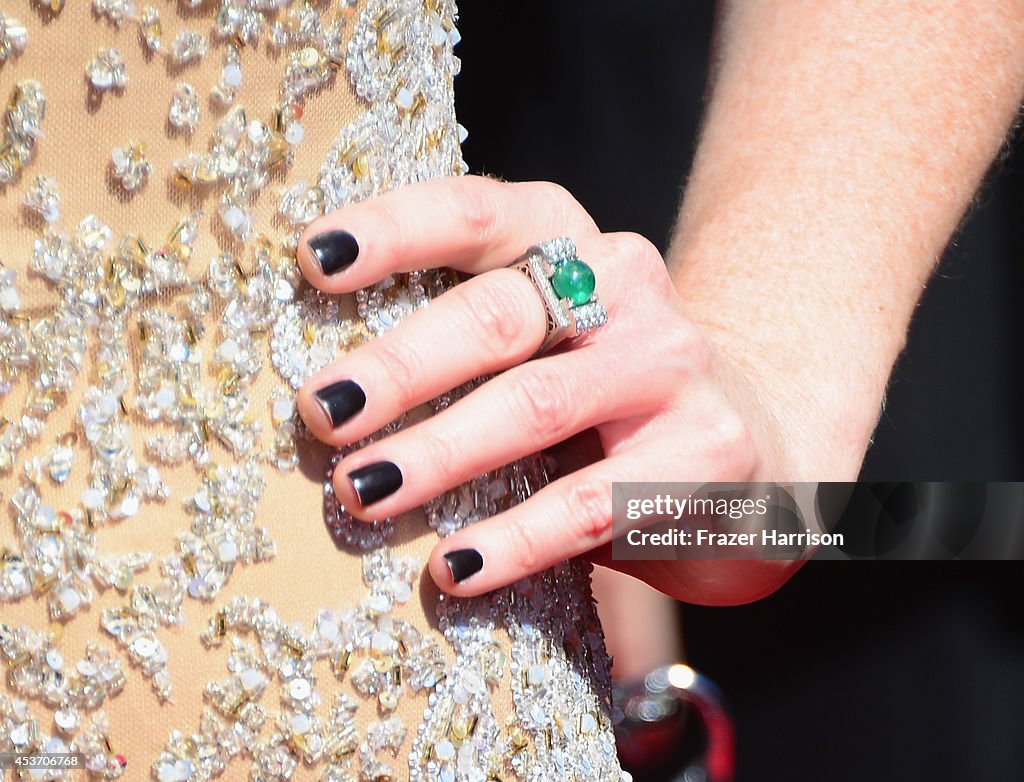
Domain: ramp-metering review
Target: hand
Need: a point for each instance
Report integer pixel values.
(646, 383)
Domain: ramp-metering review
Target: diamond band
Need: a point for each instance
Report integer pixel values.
(566, 286)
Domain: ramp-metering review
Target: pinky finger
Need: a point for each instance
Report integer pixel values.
(564, 519)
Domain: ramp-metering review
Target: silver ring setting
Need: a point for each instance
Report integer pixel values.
(567, 287)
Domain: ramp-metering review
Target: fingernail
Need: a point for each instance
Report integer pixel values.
(341, 400)
(375, 481)
(335, 251)
(463, 563)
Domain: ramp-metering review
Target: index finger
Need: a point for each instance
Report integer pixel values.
(469, 223)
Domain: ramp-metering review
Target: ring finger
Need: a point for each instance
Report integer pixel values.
(519, 412)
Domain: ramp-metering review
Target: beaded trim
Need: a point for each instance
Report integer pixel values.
(248, 311)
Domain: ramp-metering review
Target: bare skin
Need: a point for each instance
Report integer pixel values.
(842, 144)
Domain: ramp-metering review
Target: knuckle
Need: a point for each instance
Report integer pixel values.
(478, 205)
(523, 544)
(638, 251)
(394, 225)
(588, 507)
(552, 195)
(441, 456)
(731, 445)
(497, 313)
(543, 404)
(693, 348)
(702, 357)
(558, 205)
(403, 368)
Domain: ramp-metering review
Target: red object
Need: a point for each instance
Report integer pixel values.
(646, 747)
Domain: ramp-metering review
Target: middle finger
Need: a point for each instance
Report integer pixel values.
(484, 325)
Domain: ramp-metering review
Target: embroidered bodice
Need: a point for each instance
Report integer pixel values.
(181, 596)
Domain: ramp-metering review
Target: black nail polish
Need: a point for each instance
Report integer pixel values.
(341, 400)
(375, 481)
(463, 563)
(334, 250)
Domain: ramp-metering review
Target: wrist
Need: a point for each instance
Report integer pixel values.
(811, 401)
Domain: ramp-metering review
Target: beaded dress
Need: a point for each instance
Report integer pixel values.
(181, 596)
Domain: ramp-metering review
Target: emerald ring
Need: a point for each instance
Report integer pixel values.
(566, 285)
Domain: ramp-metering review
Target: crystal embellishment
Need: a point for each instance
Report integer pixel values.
(43, 198)
(114, 10)
(185, 111)
(106, 71)
(151, 28)
(13, 37)
(141, 359)
(187, 47)
(230, 77)
(130, 166)
(22, 126)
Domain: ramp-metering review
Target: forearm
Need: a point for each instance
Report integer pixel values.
(842, 144)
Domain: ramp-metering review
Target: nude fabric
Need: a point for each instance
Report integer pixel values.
(308, 572)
